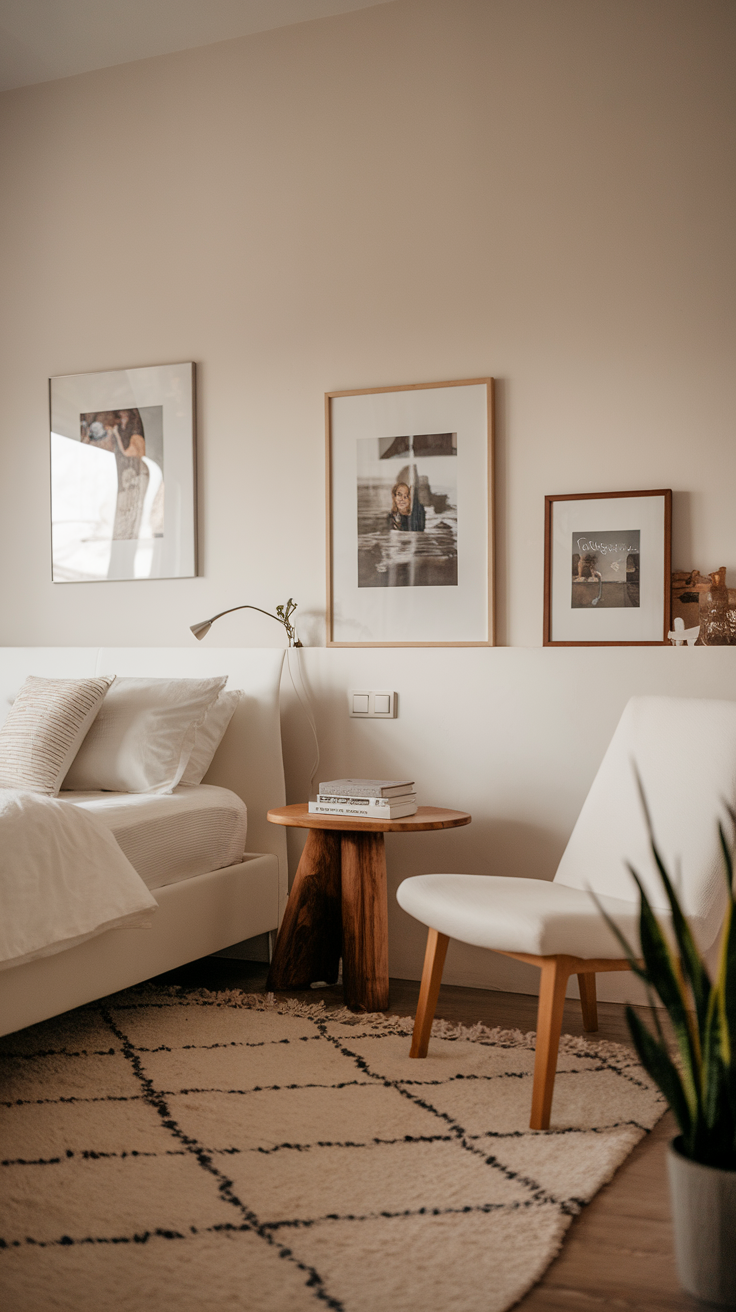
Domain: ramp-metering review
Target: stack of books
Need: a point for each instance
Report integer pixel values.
(365, 799)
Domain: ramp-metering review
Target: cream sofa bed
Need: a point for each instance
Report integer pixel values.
(198, 915)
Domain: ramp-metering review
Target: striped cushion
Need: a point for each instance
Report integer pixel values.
(44, 731)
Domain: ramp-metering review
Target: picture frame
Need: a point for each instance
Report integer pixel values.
(123, 474)
(607, 566)
(410, 516)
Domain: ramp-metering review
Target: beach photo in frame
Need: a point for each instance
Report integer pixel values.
(123, 475)
(607, 562)
(410, 515)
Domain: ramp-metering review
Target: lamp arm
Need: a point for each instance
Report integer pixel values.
(282, 618)
(245, 607)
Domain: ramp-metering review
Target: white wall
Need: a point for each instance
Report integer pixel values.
(542, 190)
(512, 735)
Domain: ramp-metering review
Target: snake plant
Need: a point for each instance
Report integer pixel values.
(700, 1083)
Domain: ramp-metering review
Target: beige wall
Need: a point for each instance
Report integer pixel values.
(542, 190)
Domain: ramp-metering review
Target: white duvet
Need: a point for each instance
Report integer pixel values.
(63, 878)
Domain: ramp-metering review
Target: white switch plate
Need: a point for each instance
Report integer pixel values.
(386, 699)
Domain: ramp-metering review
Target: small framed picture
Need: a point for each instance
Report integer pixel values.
(123, 475)
(607, 569)
(410, 515)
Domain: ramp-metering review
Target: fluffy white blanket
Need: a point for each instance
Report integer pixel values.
(63, 878)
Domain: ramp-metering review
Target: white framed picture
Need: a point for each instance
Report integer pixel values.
(123, 475)
(410, 515)
(607, 568)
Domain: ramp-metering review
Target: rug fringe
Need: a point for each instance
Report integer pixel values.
(378, 1022)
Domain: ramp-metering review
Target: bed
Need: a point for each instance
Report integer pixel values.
(197, 913)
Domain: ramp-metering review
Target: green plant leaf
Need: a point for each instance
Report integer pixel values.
(701, 1088)
(666, 979)
(626, 947)
(725, 984)
(716, 1048)
(725, 988)
(656, 1060)
(693, 968)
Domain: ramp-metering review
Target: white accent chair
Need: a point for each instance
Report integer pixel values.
(684, 751)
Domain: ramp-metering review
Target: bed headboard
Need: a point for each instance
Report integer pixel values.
(248, 760)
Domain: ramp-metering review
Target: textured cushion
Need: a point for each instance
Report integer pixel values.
(44, 729)
(208, 735)
(519, 915)
(143, 741)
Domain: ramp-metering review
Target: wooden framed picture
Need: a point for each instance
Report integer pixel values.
(607, 569)
(410, 515)
(123, 475)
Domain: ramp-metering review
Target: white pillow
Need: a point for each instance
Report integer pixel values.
(44, 730)
(143, 741)
(208, 735)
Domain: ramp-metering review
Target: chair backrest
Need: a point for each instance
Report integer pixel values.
(684, 750)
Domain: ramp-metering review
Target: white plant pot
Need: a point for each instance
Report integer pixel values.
(704, 1215)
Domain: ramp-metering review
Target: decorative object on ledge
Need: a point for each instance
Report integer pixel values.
(679, 636)
(117, 439)
(282, 616)
(607, 569)
(687, 585)
(717, 607)
(706, 602)
(410, 515)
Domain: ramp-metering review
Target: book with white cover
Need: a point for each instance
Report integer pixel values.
(362, 810)
(366, 787)
(373, 803)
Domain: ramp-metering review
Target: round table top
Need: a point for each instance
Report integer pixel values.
(426, 817)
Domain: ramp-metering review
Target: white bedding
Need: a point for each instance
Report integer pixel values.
(175, 836)
(63, 878)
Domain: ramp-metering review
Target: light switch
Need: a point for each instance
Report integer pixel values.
(364, 703)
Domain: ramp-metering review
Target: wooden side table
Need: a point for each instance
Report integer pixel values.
(338, 906)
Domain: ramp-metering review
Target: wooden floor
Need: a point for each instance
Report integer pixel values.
(618, 1253)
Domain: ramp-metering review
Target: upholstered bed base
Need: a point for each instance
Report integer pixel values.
(196, 916)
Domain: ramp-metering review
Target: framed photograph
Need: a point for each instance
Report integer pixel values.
(410, 515)
(607, 569)
(123, 475)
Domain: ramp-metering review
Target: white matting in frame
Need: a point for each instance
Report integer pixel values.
(607, 568)
(123, 475)
(410, 515)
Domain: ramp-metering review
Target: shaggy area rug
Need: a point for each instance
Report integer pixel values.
(183, 1151)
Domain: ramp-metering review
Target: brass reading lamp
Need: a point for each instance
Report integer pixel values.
(282, 616)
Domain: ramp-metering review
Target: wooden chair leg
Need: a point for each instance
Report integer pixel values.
(434, 961)
(588, 1002)
(555, 974)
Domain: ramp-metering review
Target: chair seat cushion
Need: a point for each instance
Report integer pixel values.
(519, 915)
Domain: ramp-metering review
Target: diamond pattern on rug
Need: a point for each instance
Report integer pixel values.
(186, 1150)
(194, 1274)
(398, 1177)
(462, 1263)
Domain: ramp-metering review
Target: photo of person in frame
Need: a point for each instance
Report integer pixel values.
(123, 432)
(407, 510)
(407, 515)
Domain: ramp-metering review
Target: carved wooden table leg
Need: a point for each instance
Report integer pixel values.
(364, 922)
(308, 944)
